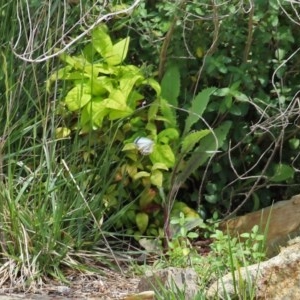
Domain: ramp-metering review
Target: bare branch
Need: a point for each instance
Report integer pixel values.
(49, 52)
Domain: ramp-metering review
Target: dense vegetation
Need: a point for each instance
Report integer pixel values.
(212, 87)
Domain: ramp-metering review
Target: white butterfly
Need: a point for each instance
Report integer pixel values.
(144, 145)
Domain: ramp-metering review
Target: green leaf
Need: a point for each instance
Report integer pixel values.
(170, 85)
(156, 178)
(129, 146)
(163, 154)
(76, 62)
(208, 145)
(199, 104)
(153, 110)
(192, 139)
(294, 143)
(235, 110)
(102, 68)
(127, 83)
(213, 199)
(159, 166)
(101, 85)
(119, 52)
(62, 132)
(168, 134)
(282, 172)
(141, 174)
(101, 41)
(142, 220)
(169, 113)
(94, 112)
(66, 73)
(78, 97)
(154, 84)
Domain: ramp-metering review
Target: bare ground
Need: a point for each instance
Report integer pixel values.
(112, 285)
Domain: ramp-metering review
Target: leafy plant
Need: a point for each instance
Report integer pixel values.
(234, 252)
(104, 94)
(223, 45)
(180, 250)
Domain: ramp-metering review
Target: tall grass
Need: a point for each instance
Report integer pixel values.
(51, 197)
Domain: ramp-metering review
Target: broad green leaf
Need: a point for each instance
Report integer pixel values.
(78, 97)
(168, 134)
(127, 83)
(213, 199)
(235, 110)
(163, 154)
(159, 166)
(114, 104)
(133, 98)
(154, 84)
(152, 128)
(94, 112)
(170, 85)
(100, 85)
(62, 132)
(282, 172)
(222, 92)
(101, 41)
(66, 73)
(77, 62)
(199, 104)
(102, 68)
(192, 139)
(153, 110)
(129, 146)
(118, 106)
(169, 113)
(119, 114)
(118, 53)
(121, 71)
(142, 220)
(70, 60)
(294, 143)
(208, 145)
(156, 178)
(141, 175)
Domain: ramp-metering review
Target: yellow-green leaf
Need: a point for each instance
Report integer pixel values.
(192, 139)
(160, 166)
(141, 175)
(163, 154)
(119, 52)
(78, 97)
(101, 41)
(142, 220)
(62, 132)
(156, 178)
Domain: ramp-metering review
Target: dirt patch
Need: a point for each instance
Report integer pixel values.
(112, 285)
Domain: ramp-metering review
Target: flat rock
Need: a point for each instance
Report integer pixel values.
(281, 221)
(278, 278)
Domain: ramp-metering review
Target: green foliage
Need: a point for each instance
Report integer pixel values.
(223, 125)
(249, 56)
(231, 252)
(105, 94)
(197, 108)
(181, 251)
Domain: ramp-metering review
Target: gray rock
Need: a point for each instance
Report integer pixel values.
(185, 280)
(278, 278)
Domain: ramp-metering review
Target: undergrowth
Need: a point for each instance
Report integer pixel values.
(82, 183)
